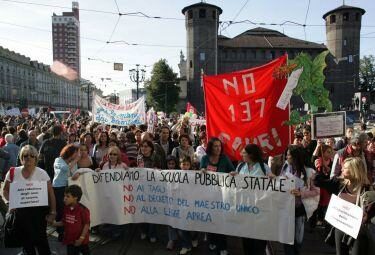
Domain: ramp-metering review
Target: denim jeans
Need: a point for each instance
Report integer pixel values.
(172, 234)
(185, 238)
(295, 248)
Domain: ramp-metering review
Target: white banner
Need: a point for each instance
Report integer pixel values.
(13, 112)
(121, 115)
(28, 194)
(244, 206)
(344, 215)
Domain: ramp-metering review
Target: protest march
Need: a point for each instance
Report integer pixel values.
(241, 170)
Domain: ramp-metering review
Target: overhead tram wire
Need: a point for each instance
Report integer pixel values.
(304, 24)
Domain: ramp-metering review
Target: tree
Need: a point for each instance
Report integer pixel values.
(161, 90)
(367, 74)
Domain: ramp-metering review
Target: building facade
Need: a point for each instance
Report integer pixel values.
(66, 38)
(26, 83)
(211, 53)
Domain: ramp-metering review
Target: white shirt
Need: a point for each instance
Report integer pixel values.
(38, 175)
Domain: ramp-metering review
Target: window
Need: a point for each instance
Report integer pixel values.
(344, 42)
(202, 13)
(357, 16)
(191, 64)
(254, 54)
(202, 56)
(345, 17)
(264, 54)
(214, 14)
(190, 14)
(272, 54)
(332, 19)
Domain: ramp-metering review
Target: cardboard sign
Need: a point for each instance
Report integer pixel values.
(344, 215)
(28, 194)
(242, 205)
(326, 125)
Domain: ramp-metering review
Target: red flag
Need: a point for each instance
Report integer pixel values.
(190, 108)
(241, 109)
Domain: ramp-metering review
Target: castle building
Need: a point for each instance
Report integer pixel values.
(212, 54)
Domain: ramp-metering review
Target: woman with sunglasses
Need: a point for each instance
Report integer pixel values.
(114, 159)
(31, 222)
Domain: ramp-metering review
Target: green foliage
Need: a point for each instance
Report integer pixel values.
(310, 85)
(367, 73)
(161, 90)
(296, 119)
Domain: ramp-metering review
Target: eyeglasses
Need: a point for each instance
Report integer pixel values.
(28, 156)
(113, 154)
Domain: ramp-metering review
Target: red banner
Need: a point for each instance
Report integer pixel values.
(190, 108)
(241, 109)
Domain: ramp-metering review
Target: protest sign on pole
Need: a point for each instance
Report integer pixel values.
(326, 125)
(244, 206)
(121, 115)
(151, 120)
(241, 109)
(344, 215)
(28, 194)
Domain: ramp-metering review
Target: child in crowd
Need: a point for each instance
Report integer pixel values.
(172, 232)
(189, 239)
(76, 222)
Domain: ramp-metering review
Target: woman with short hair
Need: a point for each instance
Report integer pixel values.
(31, 222)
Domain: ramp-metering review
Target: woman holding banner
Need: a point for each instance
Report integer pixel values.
(147, 158)
(216, 161)
(31, 222)
(349, 187)
(294, 168)
(253, 165)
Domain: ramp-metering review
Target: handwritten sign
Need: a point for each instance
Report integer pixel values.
(241, 109)
(326, 125)
(344, 215)
(28, 194)
(121, 115)
(246, 206)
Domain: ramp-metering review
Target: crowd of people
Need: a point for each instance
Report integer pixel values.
(53, 151)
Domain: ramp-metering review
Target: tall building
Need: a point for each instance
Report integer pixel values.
(202, 22)
(343, 27)
(213, 53)
(66, 38)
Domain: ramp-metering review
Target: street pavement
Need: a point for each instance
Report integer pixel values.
(131, 244)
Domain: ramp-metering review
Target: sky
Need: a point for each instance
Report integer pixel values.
(26, 29)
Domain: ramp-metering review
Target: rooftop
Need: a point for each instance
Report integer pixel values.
(201, 5)
(344, 7)
(266, 38)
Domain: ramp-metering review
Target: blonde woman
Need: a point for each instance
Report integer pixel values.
(352, 182)
(114, 159)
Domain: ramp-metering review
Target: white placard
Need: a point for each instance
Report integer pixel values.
(13, 112)
(28, 194)
(326, 125)
(344, 215)
(244, 206)
(288, 90)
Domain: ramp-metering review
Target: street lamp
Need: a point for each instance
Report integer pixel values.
(137, 77)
